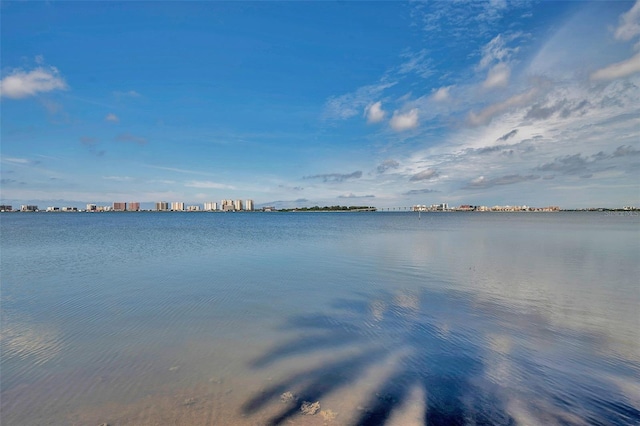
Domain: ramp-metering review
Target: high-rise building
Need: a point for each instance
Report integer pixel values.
(227, 205)
(210, 206)
(248, 205)
(237, 205)
(134, 207)
(92, 207)
(119, 207)
(177, 206)
(162, 206)
(28, 208)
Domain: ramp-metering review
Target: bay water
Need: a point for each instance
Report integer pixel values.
(381, 318)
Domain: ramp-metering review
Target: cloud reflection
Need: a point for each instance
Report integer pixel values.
(470, 362)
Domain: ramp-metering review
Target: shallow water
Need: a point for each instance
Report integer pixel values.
(207, 318)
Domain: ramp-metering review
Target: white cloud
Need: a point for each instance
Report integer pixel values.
(178, 170)
(629, 26)
(208, 184)
(497, 51)
(417, 63)
(498, 76)
(350, 104)
(128, 94)
(424, 175)
(401, 122)
(619, 69)
(21, 84)
(375, 113)
(112, 117)
(118, 178)
(16, 160)
(489, 112)
(442, 94)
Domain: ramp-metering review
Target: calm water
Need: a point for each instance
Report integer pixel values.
(457, 318)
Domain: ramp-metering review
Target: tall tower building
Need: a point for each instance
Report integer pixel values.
(177, 206)
(162, 206)
(248, 205)
(134, 207)
(227, 205)
(237, 205)
(119, 207)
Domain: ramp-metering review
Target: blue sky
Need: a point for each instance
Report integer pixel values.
(296, 103)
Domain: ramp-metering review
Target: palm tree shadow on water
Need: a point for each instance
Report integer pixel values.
(437, 343)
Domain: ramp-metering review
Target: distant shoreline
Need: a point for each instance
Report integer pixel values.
(618, 211)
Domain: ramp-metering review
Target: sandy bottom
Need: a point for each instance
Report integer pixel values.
(237, 396)
(225, 401)
(202, 406)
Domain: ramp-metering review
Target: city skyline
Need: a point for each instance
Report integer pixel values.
(301, 104)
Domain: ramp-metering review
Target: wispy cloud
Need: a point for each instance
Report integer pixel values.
(351, 104)
(628, 28)
(92, 144)
(460, 18)
(88, 141)
(112, 118)
(7, 181)
(208, 184)
(417, 63)
(118, 178)
(352, 195)
(404, 121)
(179, 170)
(128, 137)
(424, 175)
(387, 165)
(496, 57)
(507, 135)
(483, 182)
(619, 69)
(17, 160)
(21, 83)
(498, 76)
(490, 111)
(577, 164)
(420, 191)
(336, 177)
(497, 51)
(625, 151)
(291, 188)
(629, 25)
(127, 94)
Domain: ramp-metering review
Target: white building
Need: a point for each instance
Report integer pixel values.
(227, 205)
(210, 206)
(237, 205)
(177, 206)
(248, 205)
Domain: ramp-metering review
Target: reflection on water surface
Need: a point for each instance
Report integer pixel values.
(381, 318)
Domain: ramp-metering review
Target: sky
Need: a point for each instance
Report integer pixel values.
(384, 104)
